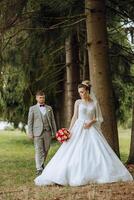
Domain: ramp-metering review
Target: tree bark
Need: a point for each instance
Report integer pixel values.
(131, 153)
(99, 68)
(86, 66)
(71, 77)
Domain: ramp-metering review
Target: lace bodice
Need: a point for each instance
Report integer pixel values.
(86, 111)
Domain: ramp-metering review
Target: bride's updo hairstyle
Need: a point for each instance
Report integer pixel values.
(86, 85)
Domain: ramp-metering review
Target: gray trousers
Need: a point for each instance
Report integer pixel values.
(42, 145)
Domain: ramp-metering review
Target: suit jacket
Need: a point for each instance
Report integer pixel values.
(35, 121)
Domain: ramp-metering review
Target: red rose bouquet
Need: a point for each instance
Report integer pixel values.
(62, 135)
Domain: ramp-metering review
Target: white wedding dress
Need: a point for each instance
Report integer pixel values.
(85, 158)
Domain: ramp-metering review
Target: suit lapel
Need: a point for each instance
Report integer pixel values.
(48, 116)
(47, 111)
(38, 110)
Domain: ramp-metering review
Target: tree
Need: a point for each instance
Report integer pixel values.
(33, 41)
(99, 67)
(71, 77)
(131, 153)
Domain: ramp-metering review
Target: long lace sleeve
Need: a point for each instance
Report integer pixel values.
(98, 115)
(75, 115)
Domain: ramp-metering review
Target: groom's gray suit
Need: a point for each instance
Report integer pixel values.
(41, 126)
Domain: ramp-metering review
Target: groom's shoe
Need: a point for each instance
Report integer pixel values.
(42, 166)
(39, 172)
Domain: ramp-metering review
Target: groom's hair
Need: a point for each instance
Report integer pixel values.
(40, 93)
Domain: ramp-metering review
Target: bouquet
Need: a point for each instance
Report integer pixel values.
(62, 135)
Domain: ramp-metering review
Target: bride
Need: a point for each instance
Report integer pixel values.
(86, 157)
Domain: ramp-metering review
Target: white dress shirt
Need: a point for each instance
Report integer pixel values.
(42, 109)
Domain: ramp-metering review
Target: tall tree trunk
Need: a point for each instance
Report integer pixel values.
(131, 153)
(86, 66)
(99, 67)
(71, 77)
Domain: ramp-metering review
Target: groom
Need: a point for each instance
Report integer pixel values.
(41, 128)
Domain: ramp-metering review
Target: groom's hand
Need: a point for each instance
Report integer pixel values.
(53, 137)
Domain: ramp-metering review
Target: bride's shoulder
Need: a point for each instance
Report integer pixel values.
(78, 101)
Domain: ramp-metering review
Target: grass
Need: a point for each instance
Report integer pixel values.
(17, 170)
(17, 165)
(124, 143)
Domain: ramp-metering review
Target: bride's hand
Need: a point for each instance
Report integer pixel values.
(87, 125)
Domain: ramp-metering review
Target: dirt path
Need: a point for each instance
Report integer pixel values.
(114, 191)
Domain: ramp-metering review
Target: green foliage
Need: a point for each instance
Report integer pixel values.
(36, 54)
(121, 61)
(33, 52)
(11, 106)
